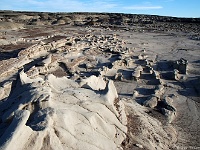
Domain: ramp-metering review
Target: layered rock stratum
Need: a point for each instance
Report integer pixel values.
(98, 81)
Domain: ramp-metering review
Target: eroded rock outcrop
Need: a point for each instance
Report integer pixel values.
(65, 112)
(87, 88)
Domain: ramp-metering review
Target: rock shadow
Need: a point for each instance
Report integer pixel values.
(145, 91)
(125, 94)
(191, 88)
(127, 74)
(10, 54)
(165, 65)
(141, 100)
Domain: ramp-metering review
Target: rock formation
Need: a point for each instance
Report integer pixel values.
(98, 81)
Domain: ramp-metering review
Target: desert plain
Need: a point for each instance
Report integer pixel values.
(99, 81)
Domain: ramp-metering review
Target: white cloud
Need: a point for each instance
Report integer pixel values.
(142, 7)
(74, 5)
(60, 5)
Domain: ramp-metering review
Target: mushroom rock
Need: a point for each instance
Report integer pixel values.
(119, 76)
(181, 65)
(137, 72)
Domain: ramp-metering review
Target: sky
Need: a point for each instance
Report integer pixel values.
(175, 8)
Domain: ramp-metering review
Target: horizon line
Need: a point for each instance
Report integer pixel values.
(35, 11)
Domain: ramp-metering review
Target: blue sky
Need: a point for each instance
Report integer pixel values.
(177, 8)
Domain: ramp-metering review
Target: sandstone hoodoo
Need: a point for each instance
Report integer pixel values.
(181, 65)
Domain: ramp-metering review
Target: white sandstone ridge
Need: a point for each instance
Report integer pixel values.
(93, 82)
(57, 113)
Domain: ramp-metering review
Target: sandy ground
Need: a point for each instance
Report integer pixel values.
(66, 87)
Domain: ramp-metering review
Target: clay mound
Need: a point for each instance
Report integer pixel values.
(10, 26)
(26, 17)
(60, 21)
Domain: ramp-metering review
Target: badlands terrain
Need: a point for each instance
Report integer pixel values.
(89, 81)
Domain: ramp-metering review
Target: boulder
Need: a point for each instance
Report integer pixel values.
(181, 65)
(151, 102)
